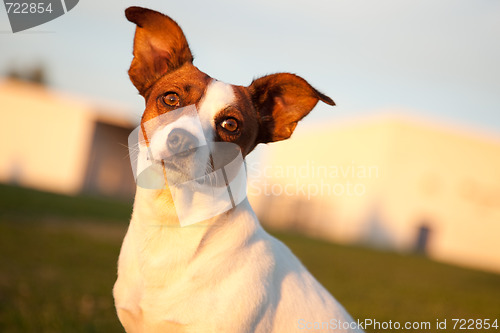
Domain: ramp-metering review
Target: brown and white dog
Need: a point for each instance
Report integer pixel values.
(225, 274)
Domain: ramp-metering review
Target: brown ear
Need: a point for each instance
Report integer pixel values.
(281, 100)
(159, 47)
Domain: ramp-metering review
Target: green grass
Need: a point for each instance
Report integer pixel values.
(58, 266)
(20, 203)
(388, 286)
(55, 280)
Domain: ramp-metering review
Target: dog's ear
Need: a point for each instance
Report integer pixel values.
(281, 100)
(159, 47)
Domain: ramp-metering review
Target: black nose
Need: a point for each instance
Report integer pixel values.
(180, 141)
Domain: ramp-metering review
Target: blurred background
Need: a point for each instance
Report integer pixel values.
(391, 198)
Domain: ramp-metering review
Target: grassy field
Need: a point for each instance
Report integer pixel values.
(58, 266)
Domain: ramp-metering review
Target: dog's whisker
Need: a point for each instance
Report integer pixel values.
(135, 148)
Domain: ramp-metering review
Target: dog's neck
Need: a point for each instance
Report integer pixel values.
(165, 244)
(155, 207)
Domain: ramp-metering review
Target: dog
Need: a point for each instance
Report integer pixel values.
(224, 274)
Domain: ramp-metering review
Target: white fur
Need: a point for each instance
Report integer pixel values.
(218, 96)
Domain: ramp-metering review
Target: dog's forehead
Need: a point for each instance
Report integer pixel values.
(217, 97)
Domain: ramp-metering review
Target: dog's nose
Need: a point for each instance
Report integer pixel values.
(180, 141)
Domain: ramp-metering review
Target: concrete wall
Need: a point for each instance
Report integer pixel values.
(62, 144)
(45, 138)
(390, 182)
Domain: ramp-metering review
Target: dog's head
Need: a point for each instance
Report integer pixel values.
(162, 70)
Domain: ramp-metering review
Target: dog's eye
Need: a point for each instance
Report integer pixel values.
(229, 124)
(171, 99)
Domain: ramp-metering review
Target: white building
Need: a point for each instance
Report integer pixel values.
(391, 182)
(59, 143)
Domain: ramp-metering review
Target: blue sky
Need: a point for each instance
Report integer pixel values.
(432, 59)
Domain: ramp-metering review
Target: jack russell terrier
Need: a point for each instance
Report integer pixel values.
(201, 262)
